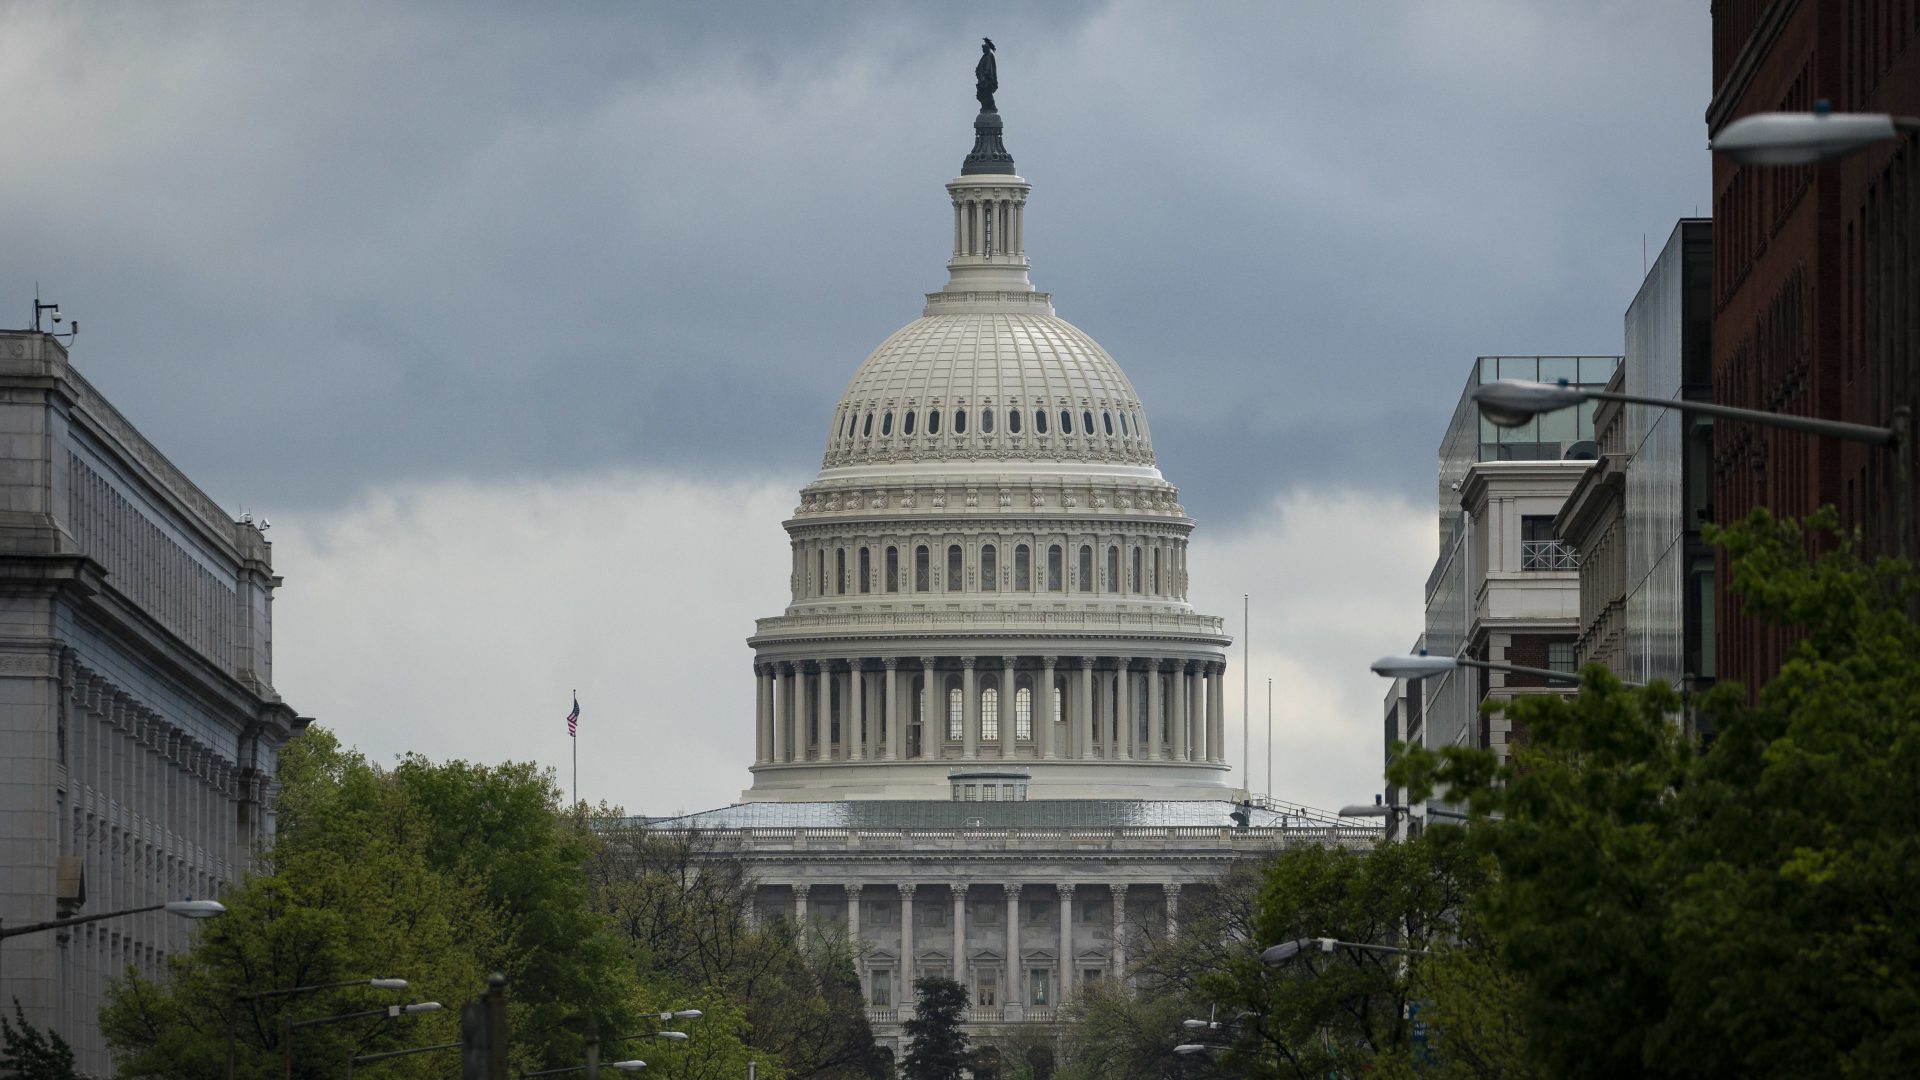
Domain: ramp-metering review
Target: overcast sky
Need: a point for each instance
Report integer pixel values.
(524, 323)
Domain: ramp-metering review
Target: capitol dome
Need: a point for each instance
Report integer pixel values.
(989, 589)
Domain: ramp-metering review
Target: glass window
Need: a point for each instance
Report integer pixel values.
(1560, 655)
(853, 422)
(886, 422)
(989, 793)
(1040, 421)
(1106, 418)
(1113, 569)
(1086, 421)
(893, 569)
(1039, 984)
(954, 714)
(866, 570)
(907, 428)
(866, 429)
(1536, 527)
(1023, 714)
(878, 913)
(1134, 585)
(960, 421)
(989, 568)
(1022, 569)
(881, 996)
(931, 914)
(1597, 369)
(1013, 421)
(986, 983)
(990, 714)
(1066, 422)
(986, 912)
(1054, 569)
(840, 571)
(1093, 912)
(933, 422)
(922, 572)
(986, 421)
(1086, 568)
(1153, 581)
(1059, 702)
(1520, 367)
(956, 573)
(820, 580)
(1123, 423)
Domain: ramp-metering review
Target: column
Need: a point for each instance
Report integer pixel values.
(1009, 729)
(959, 214)
(896, 728)
(1083, 719)
(1197, 711)
(906, 941)
(1156, 712)
(1177, 709)
(1172, 891)
(820, 738)
(800, 890)
(1125, 687)
(1065, 988)
(856, 734)
(969, 709)
(1016, 974)
(853, 921)
(783, 715)
(1119, 923)
(1216, 712)
(960, 936)
(762, 715)
(933, 724)
(1043, 703)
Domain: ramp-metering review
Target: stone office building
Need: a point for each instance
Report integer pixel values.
(138, 718)
(990, 725)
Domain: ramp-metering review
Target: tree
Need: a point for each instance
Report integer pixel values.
(1737, 911)
(939, 1046)
(28, 1053)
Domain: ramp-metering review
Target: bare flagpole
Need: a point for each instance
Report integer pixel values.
(1246, 694)
(574, 734)
(1269, 739)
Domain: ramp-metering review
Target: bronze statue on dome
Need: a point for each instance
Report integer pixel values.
(986, 76)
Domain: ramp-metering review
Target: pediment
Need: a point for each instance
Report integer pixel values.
(986, 954)
(933, 956)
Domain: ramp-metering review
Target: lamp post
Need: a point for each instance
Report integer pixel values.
(233, 1018)
(634, 1065)
(186, 909)
(1287, 950)
(1806, 138)
(1422, 665)
(362, 1059)
(288, 1024)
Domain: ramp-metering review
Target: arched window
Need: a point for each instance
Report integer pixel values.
(1153, 583)
(1059, 700)
(955, 715)
(1113, 569)
(1022, 569)
(840, 571)
(1106, 418)
(986, 421)
(956, 571)
(1054, 570)
(989, 568)
(1086, 568)
(886, 422)
(907, 428)
(866, 569)
(1039, 421)
(1123, 422)
(959, 421)
(1086, 421)
(866, 429)
(990, 714)
(1066, 422)
(1023, 714)
(853, 420)
(1013, 421)
(893, 569)
(922, 572)
(933, 422)
(1138, 581)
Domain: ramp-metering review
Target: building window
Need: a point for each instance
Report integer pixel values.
(987, 989)
(1022, 569)
(1039, 421)
(1086, 421)
(1090, 976)
(893, 569)
(985, 913)
(1123, 423)
(1540, 549)
(881, 995)
(1039, 985)
(1059, 700)
(866, 570)
(1113, 569)
(1054, 569)
(886, 422)
(1086, 568)
(990, 714)
(878, 913)
(1093, 913)
(986, 421)
(956, 571)
(1066, 422)
(1013, 421)
(933, 422)
(954, 716)
(989, 793)
(932, 914)
(1023, 714)
(907, 427)
(1106, 420)
(989, 568)
(853, 423)
(922, 572)
(1153, 583)
(1138, 579)
(1560, 656)
(866, 429)
(820, 579)
(959, 421)
(840, 571)
(1038, 912)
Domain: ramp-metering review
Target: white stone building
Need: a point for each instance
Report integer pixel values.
(990, 735)
(138, 720)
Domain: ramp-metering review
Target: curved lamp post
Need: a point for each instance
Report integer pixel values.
(288, 1025)
(633, 1065)
(1422, 666)
(233, 1018)
(1806, 138)
(1287, 950)
(186, 909)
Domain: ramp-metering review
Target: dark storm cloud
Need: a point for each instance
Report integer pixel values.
(320, 248)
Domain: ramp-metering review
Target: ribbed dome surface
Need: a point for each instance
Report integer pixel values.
(989, 385)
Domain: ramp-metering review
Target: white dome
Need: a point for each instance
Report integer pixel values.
(987, 385)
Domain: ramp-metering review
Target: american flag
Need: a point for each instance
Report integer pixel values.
(573, 719)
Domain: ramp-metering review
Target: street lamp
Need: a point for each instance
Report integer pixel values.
(1287, 950)
(634, 1065)
(1423, 665)
(1806, 138)
(186, 909)
(287, 1024)
(233, 1018)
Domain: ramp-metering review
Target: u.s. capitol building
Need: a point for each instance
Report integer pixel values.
(990, 725)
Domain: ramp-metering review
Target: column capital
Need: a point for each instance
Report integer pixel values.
(1168, 665)
(927, 662)
(890, 662)
(1065, 890)
(1172, 889)
(858, 663)
(1049, 662)
(817, 665)
(853, 889)
(1216, 667)
(1119, 892)
(969, 662)
(1013, 889)
(1089, 661)
(786, 667)
(802, 888)
(959, 890)
(906, 889)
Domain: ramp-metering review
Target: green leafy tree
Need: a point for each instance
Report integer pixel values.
(28, 1053)
(1734, 912)
(939, 1046)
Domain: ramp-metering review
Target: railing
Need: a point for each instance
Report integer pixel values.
(903, 621)
(1548, 555)
(876, 1015)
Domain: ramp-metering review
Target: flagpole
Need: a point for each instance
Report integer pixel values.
(1246, 693)
(575, 736)
(1269, 739)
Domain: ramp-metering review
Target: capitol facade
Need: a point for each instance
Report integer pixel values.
(990, 724)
